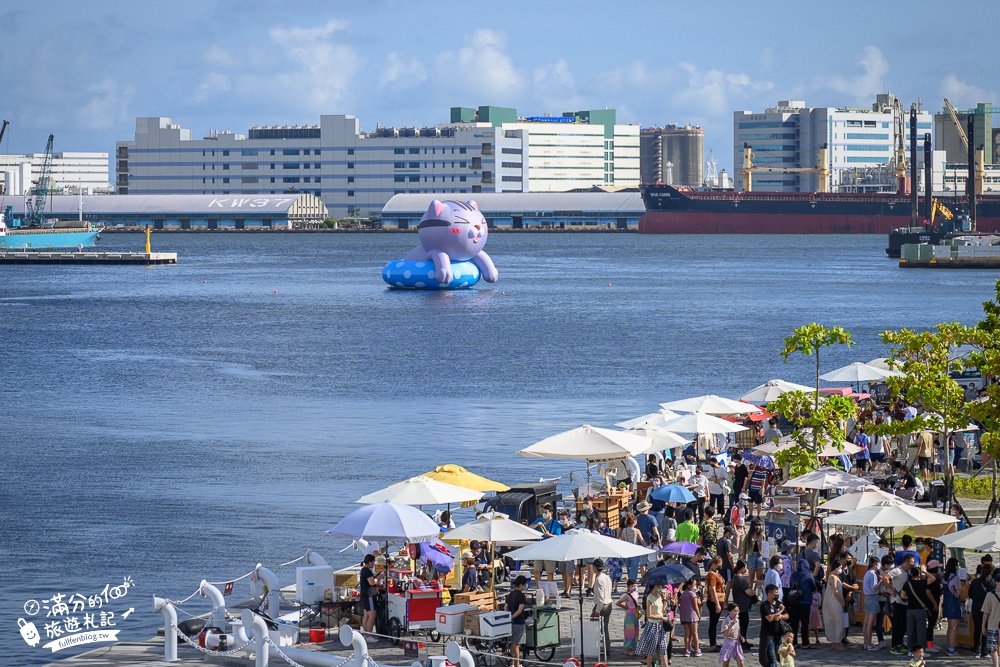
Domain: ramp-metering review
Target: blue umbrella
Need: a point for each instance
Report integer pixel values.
(672, 493)
(384, 522)
(667, 574)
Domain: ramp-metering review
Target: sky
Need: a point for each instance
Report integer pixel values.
(85, 70)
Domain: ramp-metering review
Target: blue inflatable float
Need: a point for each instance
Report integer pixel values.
(408, 274)
(450, 254)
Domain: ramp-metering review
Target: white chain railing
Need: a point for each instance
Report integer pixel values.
(208, 651)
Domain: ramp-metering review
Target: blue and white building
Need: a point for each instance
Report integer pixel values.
(489, 149)
(861, 145)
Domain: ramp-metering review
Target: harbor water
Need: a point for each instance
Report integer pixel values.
(169, 424)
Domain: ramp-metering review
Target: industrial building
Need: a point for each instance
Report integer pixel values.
(298, 211)
(672, 154)
(861, 144)
(489, 149)
(68, 173)
(520, 210)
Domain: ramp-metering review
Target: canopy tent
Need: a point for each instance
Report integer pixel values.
(711, 404)
(771, 390)
(421, 490)
(589, 443)
(985, 537)
(450, 473)
(826, 477)
(579, 545)
(897, 515)
(867, 497)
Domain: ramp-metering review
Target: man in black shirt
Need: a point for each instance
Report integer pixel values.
(772, 613)
(516, 604)
(915, 592)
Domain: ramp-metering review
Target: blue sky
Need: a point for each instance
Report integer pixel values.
(85, 71)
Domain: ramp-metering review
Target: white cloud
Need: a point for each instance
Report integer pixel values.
(962, 94)
(325, 68)
(635, 75)
(555, 87)
(714, 92)
(869, 81)
(213, 84)
(402, 71)
(481, 68)
(107, 104)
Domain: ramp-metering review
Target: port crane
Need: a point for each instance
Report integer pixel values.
(980, 159)
(823, 169)
(899, 156)
(33, 212)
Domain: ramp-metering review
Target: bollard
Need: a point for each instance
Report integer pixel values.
(169, 628)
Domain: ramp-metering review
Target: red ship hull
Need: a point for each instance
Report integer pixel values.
(677, 222)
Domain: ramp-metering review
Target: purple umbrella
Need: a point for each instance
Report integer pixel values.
(763, 461)
(681, 548)
(439, 556)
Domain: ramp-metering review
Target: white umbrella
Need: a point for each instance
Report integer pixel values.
(578, 545)
(894, 514)
(497, 529)
(985, 537)
(589, 443)
(699, 422)
(856, 372)
(385, 522)
(645, 421)
(662, 438)
(826, 477)
(787, 442)
(771, 390)
(421, 490)
(882, 363)
(867, 497)
(711, 404)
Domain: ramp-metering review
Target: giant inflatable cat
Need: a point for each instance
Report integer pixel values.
(452, 235)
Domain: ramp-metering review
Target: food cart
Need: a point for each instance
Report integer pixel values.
(409, 609)
(541, 634)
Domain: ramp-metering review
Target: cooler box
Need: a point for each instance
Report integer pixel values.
(313, 583)
(494, 623)
(448, 620)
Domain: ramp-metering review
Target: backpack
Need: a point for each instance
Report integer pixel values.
(794, 595)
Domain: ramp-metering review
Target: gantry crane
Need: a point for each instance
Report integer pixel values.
(979, 161)
(823, 169)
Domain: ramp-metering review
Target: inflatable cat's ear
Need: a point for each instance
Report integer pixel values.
(473, 204)
(435, 208)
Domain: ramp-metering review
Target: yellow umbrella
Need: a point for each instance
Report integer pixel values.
(450, 473)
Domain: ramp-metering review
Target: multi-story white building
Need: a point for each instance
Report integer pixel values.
(861, 144)
(356, 173)
(68, 173)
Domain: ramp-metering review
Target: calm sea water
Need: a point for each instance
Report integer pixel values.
(170, 424)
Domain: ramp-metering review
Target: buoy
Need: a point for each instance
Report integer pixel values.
(503, 293)
(609, 284)
(572, 661)
(204, 281)
(275, 291)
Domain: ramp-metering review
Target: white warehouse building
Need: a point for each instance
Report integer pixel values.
(489, 149)
(68, 173)
(861, 145)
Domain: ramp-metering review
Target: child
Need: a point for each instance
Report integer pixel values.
(690, 608)
(815, 622)
(786, 652)
(918, 656)
(731, 647)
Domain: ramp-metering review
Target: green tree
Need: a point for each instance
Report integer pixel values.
(985, 340)
(926, 360)
(816, 422)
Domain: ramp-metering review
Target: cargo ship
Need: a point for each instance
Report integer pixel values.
(684, 210)
(77, 235)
